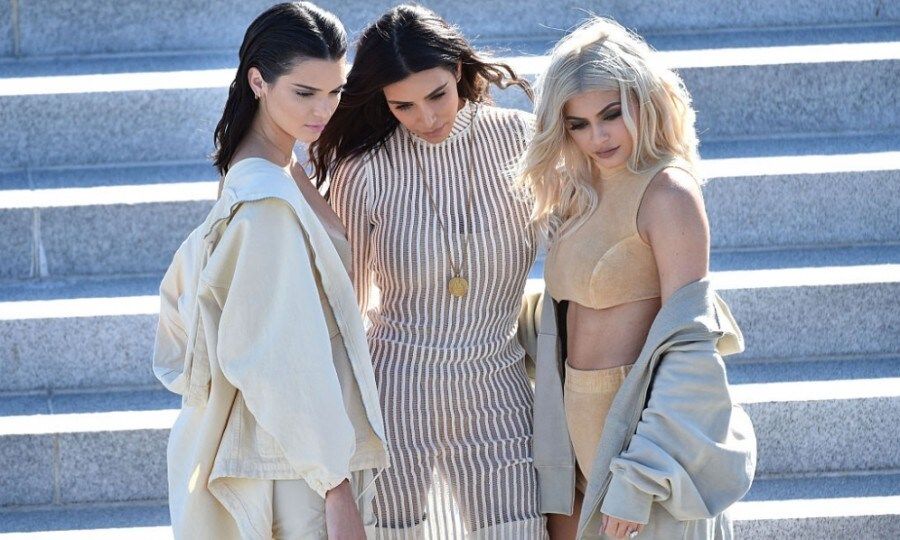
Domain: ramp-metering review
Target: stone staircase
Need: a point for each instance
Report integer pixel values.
(106, 115)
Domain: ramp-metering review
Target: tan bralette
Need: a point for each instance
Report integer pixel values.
(604, 262)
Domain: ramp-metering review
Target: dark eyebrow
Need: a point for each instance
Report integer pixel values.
(609, 106)
(314, 89)
(437, 90)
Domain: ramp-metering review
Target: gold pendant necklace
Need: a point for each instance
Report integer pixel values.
(457, 286)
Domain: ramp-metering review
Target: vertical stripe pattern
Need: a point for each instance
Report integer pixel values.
(454, 392)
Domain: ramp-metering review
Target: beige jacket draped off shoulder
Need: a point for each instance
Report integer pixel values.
(676, 451)
(243, 337)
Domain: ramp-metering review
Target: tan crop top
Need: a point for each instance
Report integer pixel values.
(604, 262)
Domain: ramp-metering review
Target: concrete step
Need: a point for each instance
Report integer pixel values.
(147, 520)
(808, 303)
(164, 108)
(109, 446)
(812, 508)
(78, 333)
(66, 27)
(811, 191)
(130, 219)
(98, 332)
(802, 508)
(819, 415)
(105, 445)
(731, 41)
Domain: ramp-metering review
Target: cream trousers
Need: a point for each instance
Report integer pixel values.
(294, 511)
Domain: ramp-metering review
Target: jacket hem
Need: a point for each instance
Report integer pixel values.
(556, 489)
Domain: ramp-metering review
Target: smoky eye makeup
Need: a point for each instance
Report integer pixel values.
(612, 114)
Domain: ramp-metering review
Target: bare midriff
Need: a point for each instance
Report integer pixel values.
(609, 337)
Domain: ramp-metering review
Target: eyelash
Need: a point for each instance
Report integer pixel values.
(310, 94)
(612, 115)
(432, 98)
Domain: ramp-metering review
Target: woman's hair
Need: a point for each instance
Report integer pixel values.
(274, 43)
(601, 55)
(405, 40)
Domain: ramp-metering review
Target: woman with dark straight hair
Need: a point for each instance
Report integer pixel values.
(280, 427)
(418, 162)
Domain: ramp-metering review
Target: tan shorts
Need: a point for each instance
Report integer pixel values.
(588, 396)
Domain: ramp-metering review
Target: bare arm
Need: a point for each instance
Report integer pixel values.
(672, 219)
(342, 519)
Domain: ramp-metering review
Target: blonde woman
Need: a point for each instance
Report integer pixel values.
(661, 450)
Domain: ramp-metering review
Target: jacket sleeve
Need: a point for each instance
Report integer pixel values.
(349, 195)
(170, 359)
(553, 455)
(694, 450)
(171, 343)
(273, 343)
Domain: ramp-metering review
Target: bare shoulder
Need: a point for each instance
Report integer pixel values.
(675, 189)
(673, 198)
(672, 219)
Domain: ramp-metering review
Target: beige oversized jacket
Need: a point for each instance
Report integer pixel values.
(243, 338)
(676, 451)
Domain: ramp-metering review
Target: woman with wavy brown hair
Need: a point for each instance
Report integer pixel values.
(418, 161)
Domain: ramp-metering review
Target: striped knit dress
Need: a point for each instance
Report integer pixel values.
(454, 391)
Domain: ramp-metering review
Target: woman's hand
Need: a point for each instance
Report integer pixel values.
(342, 519)
(619, 528)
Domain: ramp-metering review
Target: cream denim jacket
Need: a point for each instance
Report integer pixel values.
(676, 451)
(243, 338)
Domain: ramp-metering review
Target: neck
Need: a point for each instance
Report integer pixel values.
(269, 142)
(600, 174)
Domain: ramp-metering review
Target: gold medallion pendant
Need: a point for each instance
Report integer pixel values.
(458, 287)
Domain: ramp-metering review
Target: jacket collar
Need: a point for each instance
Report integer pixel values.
(255, 179)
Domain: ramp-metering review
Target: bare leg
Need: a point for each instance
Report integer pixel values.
(563, 527)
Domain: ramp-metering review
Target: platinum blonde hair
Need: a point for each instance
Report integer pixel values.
(600, 55)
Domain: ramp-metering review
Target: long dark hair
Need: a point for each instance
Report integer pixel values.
(273, 43)
(405, 40)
